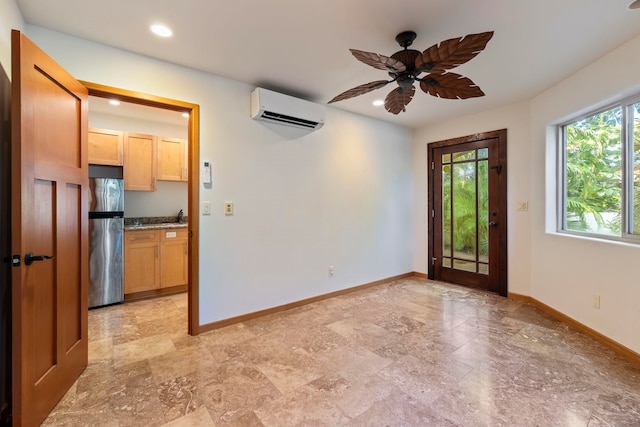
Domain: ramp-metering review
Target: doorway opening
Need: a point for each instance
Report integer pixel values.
(468, 211)
(161, 104)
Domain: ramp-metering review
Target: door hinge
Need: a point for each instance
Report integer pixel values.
(433, 213)
(433, 165)
(433, 260)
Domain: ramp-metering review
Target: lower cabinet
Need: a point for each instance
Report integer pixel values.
(174, 256)
(141, 261)
(155, 259)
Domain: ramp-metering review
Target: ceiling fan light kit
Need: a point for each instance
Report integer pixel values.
(406, 66)
(634, 5)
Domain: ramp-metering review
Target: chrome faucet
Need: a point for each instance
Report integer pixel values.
(180, 215)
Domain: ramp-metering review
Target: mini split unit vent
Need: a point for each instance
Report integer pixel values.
(286, 110)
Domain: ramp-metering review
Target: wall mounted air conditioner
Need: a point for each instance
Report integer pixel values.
(286, 110)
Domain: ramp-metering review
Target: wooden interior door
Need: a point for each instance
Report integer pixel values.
(468, 224)
(50, 231)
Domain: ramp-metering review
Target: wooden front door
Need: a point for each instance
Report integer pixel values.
(468, 238)
(49, 231)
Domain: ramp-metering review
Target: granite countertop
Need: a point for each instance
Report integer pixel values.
(159, 226)
(154, 223)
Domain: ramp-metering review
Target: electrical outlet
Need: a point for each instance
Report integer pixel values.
(228, 208)
(523, 206)
(595, 301)
(332, 271)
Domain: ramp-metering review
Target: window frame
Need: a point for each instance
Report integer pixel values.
(626, 156)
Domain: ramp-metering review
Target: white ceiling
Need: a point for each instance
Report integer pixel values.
(137, 111)
(301, 47)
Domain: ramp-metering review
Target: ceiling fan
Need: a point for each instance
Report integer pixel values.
(406, 66)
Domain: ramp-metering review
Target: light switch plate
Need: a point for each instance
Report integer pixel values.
(206, 208)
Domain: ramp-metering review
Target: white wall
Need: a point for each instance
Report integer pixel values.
(170, 197)
(514, 118)
(167, 200)
(133, 124)
(567, 271)
(10, 19)
(340, 196)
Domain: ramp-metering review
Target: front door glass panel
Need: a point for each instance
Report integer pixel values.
(465, 211)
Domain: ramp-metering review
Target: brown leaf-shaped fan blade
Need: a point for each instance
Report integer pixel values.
(453, 52)
(398, 99)
(380, 62)
(450, 86)
(359, 90)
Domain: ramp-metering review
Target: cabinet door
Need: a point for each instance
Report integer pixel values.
(139, 162)
(174, 258)
(171, 159)
(141, 261)
(105, 147)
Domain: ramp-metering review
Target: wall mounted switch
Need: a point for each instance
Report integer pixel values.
(206, 208)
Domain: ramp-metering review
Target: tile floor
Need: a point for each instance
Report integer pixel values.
(409, 353)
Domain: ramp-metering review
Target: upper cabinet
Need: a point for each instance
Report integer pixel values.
(140, 153)
(106, 147)
(146, 158)
(172, 163)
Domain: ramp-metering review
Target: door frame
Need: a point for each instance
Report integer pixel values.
(501, 136)
(193, 150)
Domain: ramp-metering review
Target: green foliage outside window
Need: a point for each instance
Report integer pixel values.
(594, 173)
(470, 210)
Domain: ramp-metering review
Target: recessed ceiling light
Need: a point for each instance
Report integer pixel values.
(161, 30)
(378, 102)
(114, 102)
(185, 115)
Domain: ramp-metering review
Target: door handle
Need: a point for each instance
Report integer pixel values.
(30, 257)
(493, 224)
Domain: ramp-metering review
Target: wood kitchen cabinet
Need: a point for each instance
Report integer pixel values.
(172, 162)
(140, 152)
(146, 158)
(141, 261)
(105, 147)
(155, 260)
(173, 257)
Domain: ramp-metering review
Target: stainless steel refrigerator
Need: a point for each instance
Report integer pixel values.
(106, 240)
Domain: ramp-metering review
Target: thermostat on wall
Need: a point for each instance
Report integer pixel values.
(206, 173)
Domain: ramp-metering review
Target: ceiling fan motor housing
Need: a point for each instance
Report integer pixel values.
(408, 58)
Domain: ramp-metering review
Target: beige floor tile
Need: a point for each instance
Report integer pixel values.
(101, 350)
(408, 353)
(141, 349)
(198, 418)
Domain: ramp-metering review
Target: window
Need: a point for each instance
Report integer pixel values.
(600, 171)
